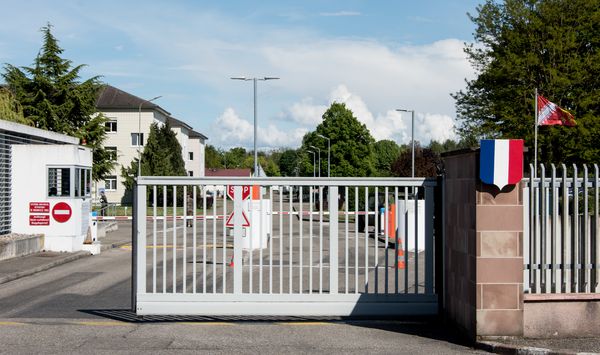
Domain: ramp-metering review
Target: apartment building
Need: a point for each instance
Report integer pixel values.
(128, 127)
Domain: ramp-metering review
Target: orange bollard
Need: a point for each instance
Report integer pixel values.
(256, 192)
(392, 223)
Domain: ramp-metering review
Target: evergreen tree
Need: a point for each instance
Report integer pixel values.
(351, 144)
(521, 45)
(161, 156)
(10, 108)
(53, 98)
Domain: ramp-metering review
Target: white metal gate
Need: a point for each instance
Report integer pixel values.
(335, 247)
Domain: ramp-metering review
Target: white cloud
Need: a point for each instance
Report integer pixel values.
(230, 130)
(389, 124)
(340, 13)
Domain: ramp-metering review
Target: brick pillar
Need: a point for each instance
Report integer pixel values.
(499, 266)
(482, 251)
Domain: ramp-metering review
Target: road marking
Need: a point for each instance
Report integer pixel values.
(304, 323)
(11, 323)
(102, 323)
(206, 323)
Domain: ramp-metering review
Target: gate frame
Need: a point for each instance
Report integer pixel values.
(329, 304)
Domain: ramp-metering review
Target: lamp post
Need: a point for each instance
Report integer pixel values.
(328, 153)
(254, 80)
(314, 165)
(412, 138)
(319, 151)
(139, 138)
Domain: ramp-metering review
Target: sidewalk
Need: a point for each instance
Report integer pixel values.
(525, 346)
(16, 268)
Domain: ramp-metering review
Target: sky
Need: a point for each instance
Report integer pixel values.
(375, 56)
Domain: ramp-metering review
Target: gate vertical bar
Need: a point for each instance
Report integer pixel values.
(429, 240)
(543, 230)
(185, 222)
(585, 240)
(154, 239)
(564, 235)
(237, 240)
(553, 238)
(576, 281)
(174, 239)
(333, 240)
(596, 230)
(140, 213)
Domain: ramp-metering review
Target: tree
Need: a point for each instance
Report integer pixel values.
(235, 157)
(161, 156)
(427, 163)
(386, 152)
(351, 144)
(10, 108)
(288, 162)
(213, 157)
(53, 98)
(521, 45)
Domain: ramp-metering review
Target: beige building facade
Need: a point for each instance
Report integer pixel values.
(129, 119)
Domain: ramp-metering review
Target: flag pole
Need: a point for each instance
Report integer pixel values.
(535, 149)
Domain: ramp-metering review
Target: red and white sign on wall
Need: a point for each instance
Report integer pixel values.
(39, 220)
(39, 207)
(246, 189)
(61, 212)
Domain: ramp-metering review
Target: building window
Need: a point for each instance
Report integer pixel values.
(190, 173)
(110, 126)
(110, 183)
(59, 182)
(191, 154)
(137, 139)
(112, 152)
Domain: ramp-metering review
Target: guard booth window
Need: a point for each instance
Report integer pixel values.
(59, 182)
(82, 182)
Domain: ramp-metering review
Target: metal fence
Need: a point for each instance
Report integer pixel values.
(324, 247)
(561, 245)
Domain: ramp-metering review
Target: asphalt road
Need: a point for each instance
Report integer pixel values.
(83, 307)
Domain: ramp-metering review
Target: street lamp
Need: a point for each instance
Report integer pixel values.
(254, 80)
(139, 138)
(318, 150)
(328, 153)
(412, 138)
(314, 163)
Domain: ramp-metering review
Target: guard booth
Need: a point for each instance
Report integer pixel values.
(51, 187)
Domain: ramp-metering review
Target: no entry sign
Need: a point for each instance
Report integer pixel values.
(246, 189)
(61, 212)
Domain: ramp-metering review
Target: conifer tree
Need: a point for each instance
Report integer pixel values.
(52, 97)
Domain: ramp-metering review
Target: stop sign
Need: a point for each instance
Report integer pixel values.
(61, 212)
(245, 191)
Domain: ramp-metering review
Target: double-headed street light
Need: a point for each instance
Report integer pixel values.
(412, 138)
(139, 138)
(314, 163)
(328, 153)
(319, 151)
(254, 80)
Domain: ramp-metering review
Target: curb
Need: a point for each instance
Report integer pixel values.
(511, 349)
(20, 274)
(75, 256)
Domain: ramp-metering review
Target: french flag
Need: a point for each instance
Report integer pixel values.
(501, 161)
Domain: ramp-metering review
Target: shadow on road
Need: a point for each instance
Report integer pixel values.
(425, 327)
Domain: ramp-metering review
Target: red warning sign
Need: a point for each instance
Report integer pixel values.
(61, 212)
(39, 207)
(246, 189)
(245, 223)
(39, 220)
